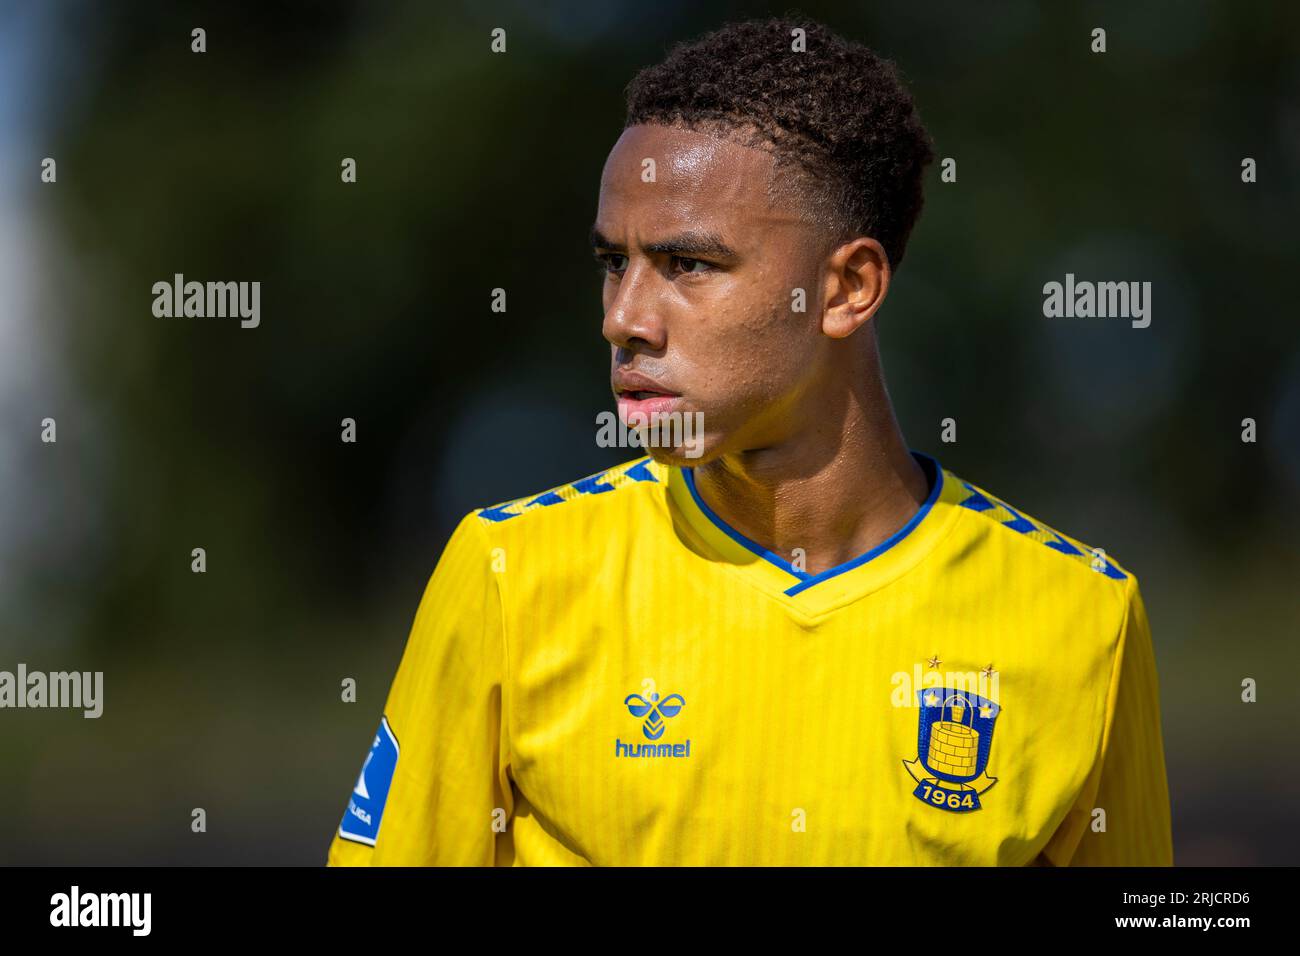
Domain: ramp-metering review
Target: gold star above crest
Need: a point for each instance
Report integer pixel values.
(988, 671)
(934, 661)
(986, 711)
(931, 700)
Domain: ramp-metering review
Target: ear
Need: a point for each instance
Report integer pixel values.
(857, 280)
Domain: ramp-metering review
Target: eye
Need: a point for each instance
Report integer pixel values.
(607, 265)
(690, 265)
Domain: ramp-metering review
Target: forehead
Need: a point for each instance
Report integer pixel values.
(700, 180)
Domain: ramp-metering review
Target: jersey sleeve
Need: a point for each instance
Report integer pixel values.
(1129, 783)
(434, 789)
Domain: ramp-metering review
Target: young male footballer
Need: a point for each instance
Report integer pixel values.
(806, 644)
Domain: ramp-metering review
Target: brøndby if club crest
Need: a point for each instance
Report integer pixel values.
(952, 746)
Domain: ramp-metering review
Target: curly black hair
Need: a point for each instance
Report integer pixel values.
(835, 114)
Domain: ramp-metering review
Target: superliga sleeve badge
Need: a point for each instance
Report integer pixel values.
(953, 740)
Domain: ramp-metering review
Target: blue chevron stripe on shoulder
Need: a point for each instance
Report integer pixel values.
(496, 514)
(641, 471)
(983, 502)
(596, 484)
(976, 501)
(592, 485)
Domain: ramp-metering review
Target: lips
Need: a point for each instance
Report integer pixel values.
(642, 395)
(638, 386)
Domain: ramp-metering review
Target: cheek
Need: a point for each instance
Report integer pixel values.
(757, 358)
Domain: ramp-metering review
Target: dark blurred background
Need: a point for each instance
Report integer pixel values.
(478, 170)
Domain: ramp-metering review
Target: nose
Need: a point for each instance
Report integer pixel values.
(633, 319)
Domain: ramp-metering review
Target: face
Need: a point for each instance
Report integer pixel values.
(701, 271)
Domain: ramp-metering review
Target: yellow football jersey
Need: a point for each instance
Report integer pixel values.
(608, 674)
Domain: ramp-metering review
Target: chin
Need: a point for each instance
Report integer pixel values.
(683, 456)
(679, 437)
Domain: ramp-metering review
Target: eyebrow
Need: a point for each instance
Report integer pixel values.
(686, 244)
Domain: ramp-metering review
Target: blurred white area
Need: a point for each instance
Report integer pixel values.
(37, 531)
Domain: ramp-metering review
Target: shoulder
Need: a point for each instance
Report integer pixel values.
(1032, 546)
(602, 496)
(556, 535)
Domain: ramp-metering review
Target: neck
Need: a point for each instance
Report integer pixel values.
(837, 487)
